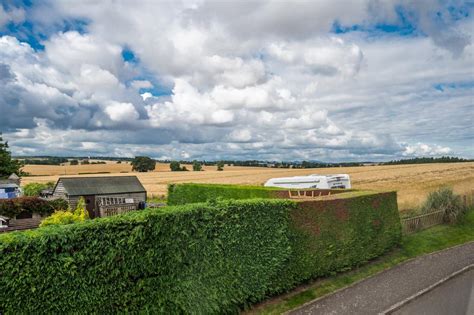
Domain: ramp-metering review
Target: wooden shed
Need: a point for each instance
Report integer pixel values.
(104, 196)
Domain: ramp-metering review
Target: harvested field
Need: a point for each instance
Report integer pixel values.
(413, 182)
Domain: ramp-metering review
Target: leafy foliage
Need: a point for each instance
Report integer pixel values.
(34, 189)
(202, 258)
(220, 166)
(197, 167)
(175, 166)
(8, 165)
(143, 164)
(445, 199)
(61, 217)
(15, 206)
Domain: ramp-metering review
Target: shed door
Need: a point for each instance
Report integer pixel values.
(90, 205)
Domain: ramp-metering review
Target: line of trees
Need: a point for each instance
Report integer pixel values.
(46, 161)
(423, 160)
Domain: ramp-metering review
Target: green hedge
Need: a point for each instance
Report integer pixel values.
(15, 206)
(202, 258)
(198, 258)
(179, 194)
(335, 235)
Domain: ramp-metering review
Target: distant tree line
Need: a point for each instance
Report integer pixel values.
(423, 160)
(46, 161)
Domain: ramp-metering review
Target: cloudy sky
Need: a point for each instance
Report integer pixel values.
(274, 80)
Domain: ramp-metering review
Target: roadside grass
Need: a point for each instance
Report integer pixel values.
(424, 242)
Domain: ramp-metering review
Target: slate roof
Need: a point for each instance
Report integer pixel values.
(104, 185)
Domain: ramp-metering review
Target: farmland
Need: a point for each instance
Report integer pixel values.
(413, 182)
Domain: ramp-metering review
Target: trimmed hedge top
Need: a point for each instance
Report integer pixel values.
(179, 194)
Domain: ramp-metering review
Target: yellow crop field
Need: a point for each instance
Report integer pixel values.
(412, 182)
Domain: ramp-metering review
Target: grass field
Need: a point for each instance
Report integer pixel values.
(413, 182)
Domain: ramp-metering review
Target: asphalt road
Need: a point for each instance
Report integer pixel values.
(453, 297)
(379, 293)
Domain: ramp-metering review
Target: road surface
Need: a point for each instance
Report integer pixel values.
(381, 292)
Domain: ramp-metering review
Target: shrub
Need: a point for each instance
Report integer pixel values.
(58, 204)
(34, 189)
(220, 166)
(175, 166)
(15, 206)
(197, 258)
(197, 167)
(67, 217)
(445, 199)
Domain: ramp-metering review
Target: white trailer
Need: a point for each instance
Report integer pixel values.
(311, 181)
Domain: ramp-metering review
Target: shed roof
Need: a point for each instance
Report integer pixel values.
(82, 186)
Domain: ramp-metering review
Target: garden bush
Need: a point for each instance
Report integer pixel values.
(15, 206)
(445, 199)
(67, 216)
(34, 189)
(202, 258)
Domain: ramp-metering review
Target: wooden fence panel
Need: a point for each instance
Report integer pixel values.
(421, 222)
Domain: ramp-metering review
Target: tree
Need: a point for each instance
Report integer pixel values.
(8, 165)
(85, 162)
(143, 164)
(34, 189)
(174, 166)
(197, 166)
(74, 162)
(220, 166)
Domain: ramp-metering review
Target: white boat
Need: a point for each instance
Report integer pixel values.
(311, 181)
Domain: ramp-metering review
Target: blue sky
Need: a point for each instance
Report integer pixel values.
(330, 80)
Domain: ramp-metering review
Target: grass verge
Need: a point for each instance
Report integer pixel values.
(424, 242)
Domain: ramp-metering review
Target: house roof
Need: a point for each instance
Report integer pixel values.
(104, 185)
(6, 183)
(13, 176)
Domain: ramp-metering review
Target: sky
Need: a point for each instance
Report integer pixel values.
(325, 80)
